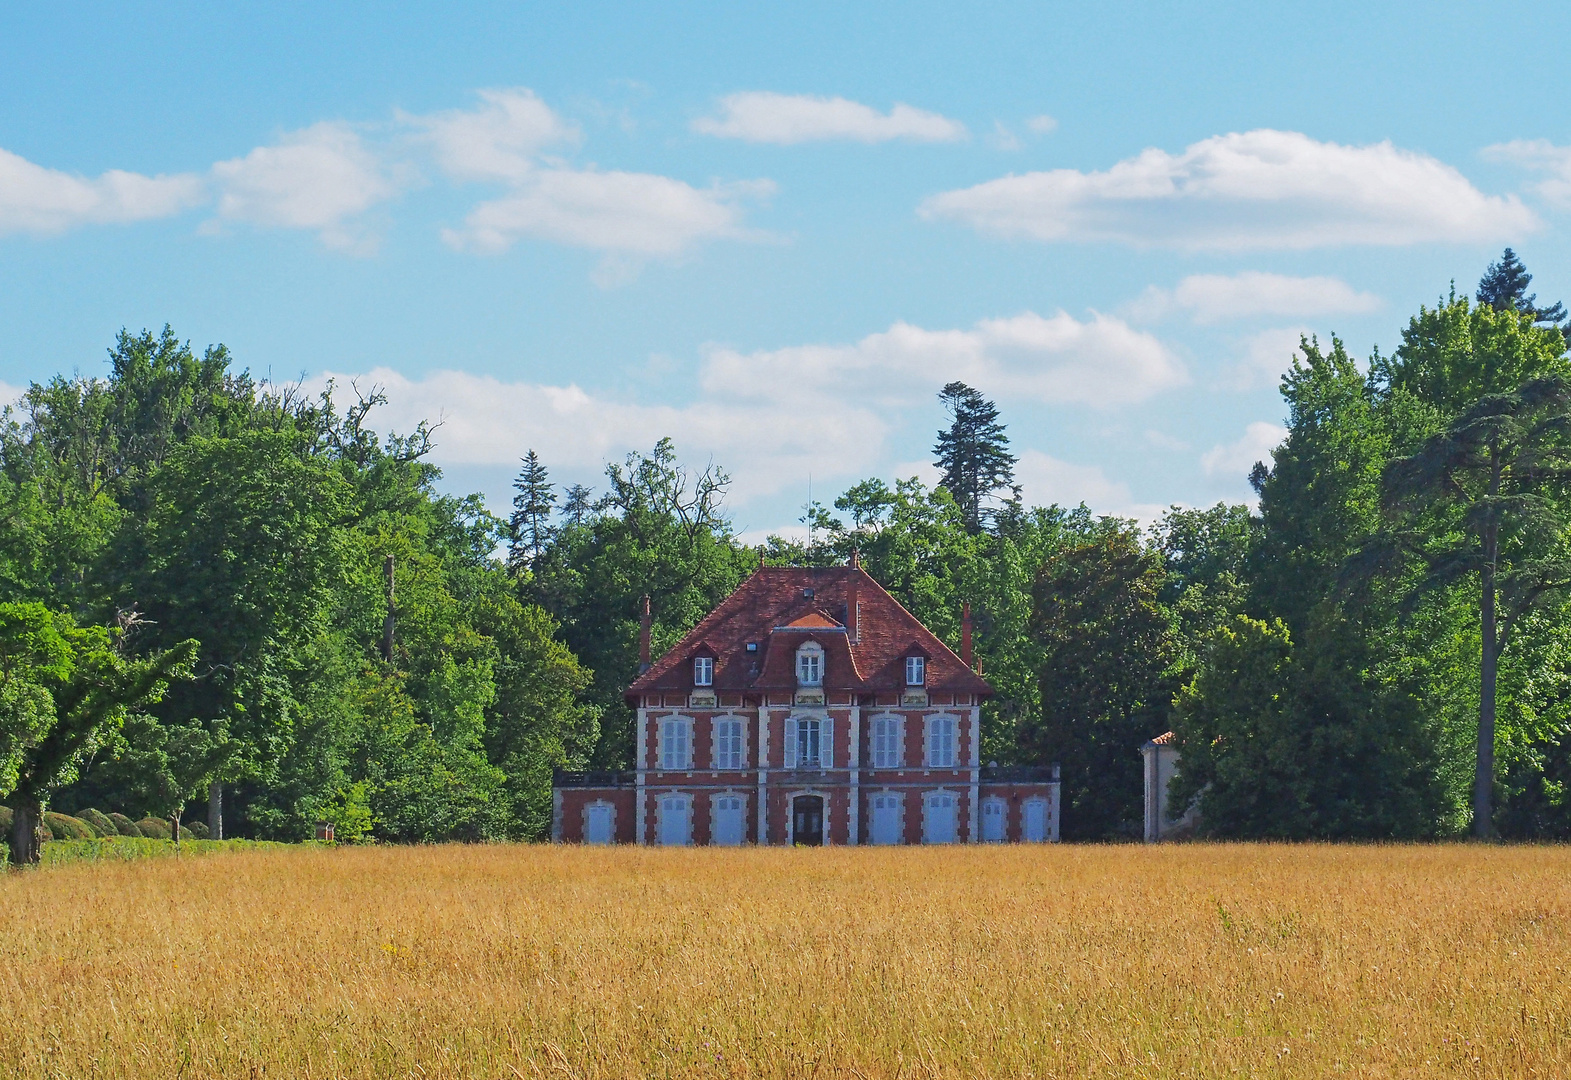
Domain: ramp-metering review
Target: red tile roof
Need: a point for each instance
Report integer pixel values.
(778, 608)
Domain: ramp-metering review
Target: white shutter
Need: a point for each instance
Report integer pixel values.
(687, 740)
(790, 743)
(826, 744)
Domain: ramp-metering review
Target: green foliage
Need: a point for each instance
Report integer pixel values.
(155, 828)
(124, 825)
(102, 824)
(197, 829)
(973, 453)
(62, 827)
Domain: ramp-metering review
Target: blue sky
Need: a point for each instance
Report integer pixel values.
(773, 234)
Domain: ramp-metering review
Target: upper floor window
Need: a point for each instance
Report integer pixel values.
(941, 742)
(810, 664)
(729, 747)
(704, 671)
(886, 742)
(916, 670)
(808, 743)
(676, 743)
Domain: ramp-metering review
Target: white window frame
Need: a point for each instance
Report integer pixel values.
(676, 730)
(721, 758)
(703, 671)
(930, 741)
(793, 742)
(900, 815)
(596, 805)
(714, 814)
(810, 655)
(928, 799)
(916, 671)
(1001, 804)
(888, 731)
(663, 803)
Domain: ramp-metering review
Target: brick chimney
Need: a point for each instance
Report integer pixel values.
(853, 598)
(965, 634)
(643, 639)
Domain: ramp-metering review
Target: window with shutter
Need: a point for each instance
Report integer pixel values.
(809, 744)
(886, 742)
(941, 742)
(676, 743)
(728, 750)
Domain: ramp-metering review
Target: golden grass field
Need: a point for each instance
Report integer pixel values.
(516, 961)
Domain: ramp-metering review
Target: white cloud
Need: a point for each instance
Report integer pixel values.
(34, 199)
(784, 119)
(1042, 125)
(1540, 155)
(1101, 362)
(500, 140)
(1234, 460)
(1002, 138)
(317, 178)
(634, 214)
(1256, 190)
(1046, 480)
(1210, 298)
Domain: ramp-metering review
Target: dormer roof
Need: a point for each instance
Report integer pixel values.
(781, 608)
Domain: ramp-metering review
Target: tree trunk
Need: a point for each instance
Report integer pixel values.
(26, 818)
(215, 811)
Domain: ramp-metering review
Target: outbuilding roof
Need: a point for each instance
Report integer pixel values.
(756, 631)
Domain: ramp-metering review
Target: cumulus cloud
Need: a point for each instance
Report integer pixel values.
(773, 417)
(761, 116)
(1539, 155)
(1210, 298)
(630, 214)
(1234, 460)
(1257, 190)
(1266, 357)
(1046, 480)
(319, 178)
(1042, 125)
(34, 199)
(500, 140)
(1101, 362)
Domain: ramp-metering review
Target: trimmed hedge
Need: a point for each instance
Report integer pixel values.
(125, 825)
(155, 829)
(100, 822)
(197, 829)
(66, 827)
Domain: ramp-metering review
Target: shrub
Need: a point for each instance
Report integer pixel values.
(5, 823)
(124, 825)
(100, 823)
(155, 828)
(197, 829)
(65, 827)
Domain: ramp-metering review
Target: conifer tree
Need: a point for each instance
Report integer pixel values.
(973, 452)
(529, 528)
(1504, 285)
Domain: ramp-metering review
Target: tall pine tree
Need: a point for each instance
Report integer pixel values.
(529, 529)
(973, 452)
(1504, 285)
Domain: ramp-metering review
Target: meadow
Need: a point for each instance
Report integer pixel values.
(533, 961)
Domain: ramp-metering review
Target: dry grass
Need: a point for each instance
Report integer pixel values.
(1019, 962)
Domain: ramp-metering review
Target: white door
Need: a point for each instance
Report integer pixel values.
(940, 823)
(886, 819)
(1035, 830)
(728, 821)
(673, 821)
(599, 824)
(993, 821)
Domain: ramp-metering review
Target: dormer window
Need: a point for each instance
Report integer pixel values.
(810, 664)
(916, 671)
(703, 671)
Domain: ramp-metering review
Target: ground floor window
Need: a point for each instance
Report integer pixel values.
(993, 811)
(886, 818)
(674, 826)
(599, 823)
(938, 818)
(729, 827)
(1034, 813)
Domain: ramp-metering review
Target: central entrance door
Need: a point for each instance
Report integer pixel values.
(807, 820)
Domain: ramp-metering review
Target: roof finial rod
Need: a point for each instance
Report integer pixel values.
(644, 626)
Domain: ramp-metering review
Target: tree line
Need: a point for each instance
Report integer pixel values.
(230, 600)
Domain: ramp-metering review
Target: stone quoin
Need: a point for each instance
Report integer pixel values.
(809, 708)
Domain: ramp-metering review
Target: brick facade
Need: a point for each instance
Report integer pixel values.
(810, 707)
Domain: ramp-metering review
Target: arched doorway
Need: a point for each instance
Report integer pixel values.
(807, 820)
